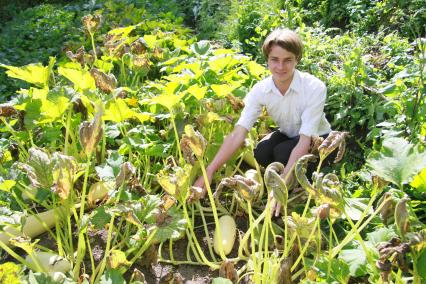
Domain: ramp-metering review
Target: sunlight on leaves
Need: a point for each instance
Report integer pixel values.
(34, 73)
(398, 161)
(81, 79)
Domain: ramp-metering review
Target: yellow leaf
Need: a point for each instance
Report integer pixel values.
(197, 91)
(222, 90)
(117, 259)
(7, 185)
(419, 181)
(151, 40)
(123, 32)
(53, 109)
(167, 101)
(117, 111)
(81, 79)
(256, 69)
(219, 64)
(34, 73)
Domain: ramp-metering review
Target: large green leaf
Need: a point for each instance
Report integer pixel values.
(380, 235)
(421, 264)
(81, 78)
(173, 227)
(167, 100)
(34, 73)
(118, 111)
(53, 109)
(339, 272)
(397, 162)
(356, 260)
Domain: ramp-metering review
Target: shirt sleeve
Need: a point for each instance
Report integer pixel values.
(251, 111)
(311, 116)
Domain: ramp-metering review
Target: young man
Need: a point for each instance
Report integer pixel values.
(295, 101)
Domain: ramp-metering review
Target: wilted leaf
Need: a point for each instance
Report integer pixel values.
(39, 168)
(106, 83)
(91, 132)
(126, 171)
(91, 22)
(117, 259)
(175, 183)
(402, 216)
(63, 173)
(275, 183)
(7, 110)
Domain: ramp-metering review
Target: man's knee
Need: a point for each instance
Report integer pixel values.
(262, 155)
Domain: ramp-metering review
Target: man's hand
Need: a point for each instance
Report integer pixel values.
(200, 181)
(275, 205)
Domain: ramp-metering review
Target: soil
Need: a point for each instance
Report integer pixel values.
(159, 272)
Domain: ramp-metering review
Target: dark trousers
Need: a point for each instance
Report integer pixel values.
(276, 147)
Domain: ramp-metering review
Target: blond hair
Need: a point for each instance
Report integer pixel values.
(286, 39)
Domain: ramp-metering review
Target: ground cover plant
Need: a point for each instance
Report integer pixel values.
(100, 147)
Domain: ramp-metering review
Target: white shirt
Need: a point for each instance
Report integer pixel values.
(299, 111)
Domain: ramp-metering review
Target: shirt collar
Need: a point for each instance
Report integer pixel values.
(295, 85)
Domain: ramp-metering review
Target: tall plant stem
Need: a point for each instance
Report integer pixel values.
(176, 137)
(213, 205)
(83, 194)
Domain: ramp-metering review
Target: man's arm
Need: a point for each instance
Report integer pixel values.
(231, 144)
(301, 149)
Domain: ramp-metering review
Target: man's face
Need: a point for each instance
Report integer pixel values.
(282, 64)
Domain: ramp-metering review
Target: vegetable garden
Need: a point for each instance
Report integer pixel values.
(102, 138)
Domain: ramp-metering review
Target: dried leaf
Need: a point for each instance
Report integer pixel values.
(106, 83)
(91, 23)
(195, 141)
(275, 183)
(285, 271)
(227, 270)
(300, 172)
(316, 141)
(126, 171)
(139, 46)
(7, 110)
(78, 56)
(91, 133)
(402, 216)
(196, 193)
(117, 259)
(335, 139)
(64, 171)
